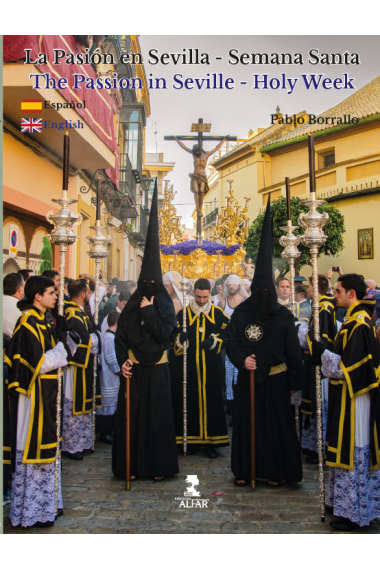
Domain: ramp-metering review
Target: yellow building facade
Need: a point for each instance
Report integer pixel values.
(347, 173)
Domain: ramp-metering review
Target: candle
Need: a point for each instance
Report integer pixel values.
(288, 209)
(98, 189)
(310, 143)
(66, 156)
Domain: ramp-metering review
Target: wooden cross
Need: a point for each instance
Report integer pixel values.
(199, 128)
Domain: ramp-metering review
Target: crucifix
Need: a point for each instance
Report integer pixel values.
(198, 179)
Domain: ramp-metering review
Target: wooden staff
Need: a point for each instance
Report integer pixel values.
(253, 439)
(127, 432)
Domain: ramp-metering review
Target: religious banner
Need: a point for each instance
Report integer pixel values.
(365, 243)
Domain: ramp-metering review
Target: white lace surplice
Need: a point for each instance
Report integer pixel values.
(76, 430)
(354, 494)
(33, 484)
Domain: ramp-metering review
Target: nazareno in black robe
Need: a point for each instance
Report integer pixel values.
(147, 333)
(278, 453)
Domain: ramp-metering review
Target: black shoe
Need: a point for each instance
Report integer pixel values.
(78, 456)
(106, 439)
(59, 513)
(191, 449)
(43, 524)
(211, 452)
(344, 525)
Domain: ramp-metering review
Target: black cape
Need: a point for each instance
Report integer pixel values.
(278, 453)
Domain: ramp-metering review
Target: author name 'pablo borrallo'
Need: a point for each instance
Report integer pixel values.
(312, 120)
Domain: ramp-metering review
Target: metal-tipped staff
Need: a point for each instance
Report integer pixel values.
(62, 235)
(185, 289)
(99, 250)
(290, 243)
(313, 238)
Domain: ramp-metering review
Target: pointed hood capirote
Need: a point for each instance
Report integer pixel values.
(260, 313)
(151, 264)
(263, 269)
(263, 299)
(147, 343)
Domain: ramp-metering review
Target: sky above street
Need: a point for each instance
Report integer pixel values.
(238, 110)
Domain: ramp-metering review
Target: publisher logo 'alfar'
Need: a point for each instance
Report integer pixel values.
(191, 497)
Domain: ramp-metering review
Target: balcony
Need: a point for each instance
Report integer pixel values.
(119, 206)
(116, 41)
(133, 121)
(141, 227)
(127, 183)
(210, 219)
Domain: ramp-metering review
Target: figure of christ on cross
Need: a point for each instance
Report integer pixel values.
(199, 184)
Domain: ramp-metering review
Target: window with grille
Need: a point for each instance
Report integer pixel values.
(326, 159)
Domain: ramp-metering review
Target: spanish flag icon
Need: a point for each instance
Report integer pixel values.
(31, 106)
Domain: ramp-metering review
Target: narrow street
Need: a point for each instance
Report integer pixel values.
(96, 502)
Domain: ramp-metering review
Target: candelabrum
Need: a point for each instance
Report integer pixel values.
(62, 235)
(290, 243)
(232, 224)
(314, 238)
(185, 288)
(98, 251)
(169, 222)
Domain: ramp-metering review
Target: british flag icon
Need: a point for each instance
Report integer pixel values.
(31, 125)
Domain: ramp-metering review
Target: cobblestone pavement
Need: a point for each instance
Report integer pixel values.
(96, 502)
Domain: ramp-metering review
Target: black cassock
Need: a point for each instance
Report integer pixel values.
(206, 420)
(143, 335)
(279, 370)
